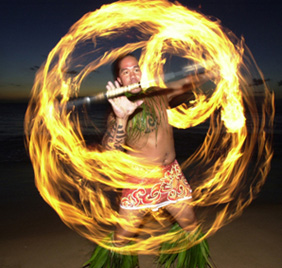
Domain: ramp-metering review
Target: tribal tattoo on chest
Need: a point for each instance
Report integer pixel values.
(151, 123)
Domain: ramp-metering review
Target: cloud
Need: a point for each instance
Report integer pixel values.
(34, 68)
(15, 85)
(72, 72)
(259, 81)
(5, 85)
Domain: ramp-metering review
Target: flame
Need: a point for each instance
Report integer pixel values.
(234, 158)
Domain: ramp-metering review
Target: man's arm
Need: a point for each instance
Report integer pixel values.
(115, 136)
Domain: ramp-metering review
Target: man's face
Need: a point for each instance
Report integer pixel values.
(129, 73)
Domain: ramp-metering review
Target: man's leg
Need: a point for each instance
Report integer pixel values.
(130, 220)
(198, 255)
(184, 214)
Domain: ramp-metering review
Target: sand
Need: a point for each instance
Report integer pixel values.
(32, 235)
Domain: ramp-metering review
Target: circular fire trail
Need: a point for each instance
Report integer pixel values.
(227, 171)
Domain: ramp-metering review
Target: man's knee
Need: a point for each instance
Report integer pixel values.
(184, 214)
(128, 226)
(120, 240)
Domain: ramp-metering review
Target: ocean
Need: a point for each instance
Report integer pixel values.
(12, 130)
(93, 126)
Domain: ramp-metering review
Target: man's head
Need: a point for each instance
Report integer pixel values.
(127, 71)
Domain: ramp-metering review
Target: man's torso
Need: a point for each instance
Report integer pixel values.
(155, 141)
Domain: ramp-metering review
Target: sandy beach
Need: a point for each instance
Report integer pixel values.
(32, 235)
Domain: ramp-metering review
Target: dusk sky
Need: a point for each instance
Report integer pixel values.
(30, 29)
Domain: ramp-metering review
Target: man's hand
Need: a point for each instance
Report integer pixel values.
(121, 105)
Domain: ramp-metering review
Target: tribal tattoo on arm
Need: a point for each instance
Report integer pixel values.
(114, 139)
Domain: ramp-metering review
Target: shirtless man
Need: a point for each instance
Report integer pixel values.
(152, 140)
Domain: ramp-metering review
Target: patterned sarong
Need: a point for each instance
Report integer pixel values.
(171, 188)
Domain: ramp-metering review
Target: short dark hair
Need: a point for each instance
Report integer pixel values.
(115, 64)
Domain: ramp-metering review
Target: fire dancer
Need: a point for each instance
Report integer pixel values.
(142, 125)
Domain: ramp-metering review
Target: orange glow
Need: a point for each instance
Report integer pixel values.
(73, 178)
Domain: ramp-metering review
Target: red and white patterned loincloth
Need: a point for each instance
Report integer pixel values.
(171, 188)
